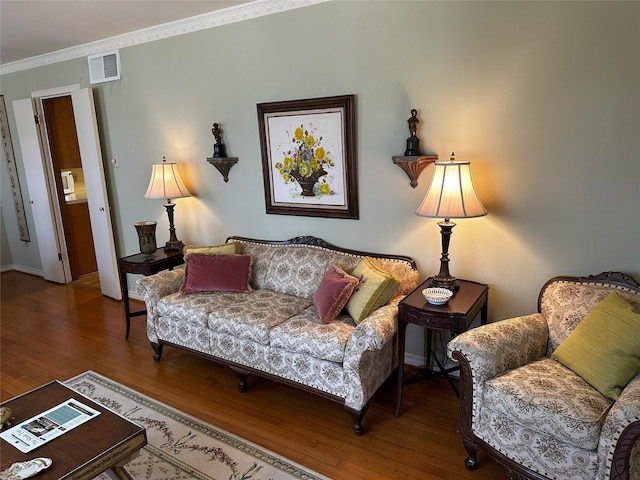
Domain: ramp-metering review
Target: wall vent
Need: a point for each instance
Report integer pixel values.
(104, 67)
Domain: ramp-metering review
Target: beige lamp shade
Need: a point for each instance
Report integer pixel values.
(451, 193)
(166, 182)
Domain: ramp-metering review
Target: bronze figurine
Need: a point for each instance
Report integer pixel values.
(413, 142)
(218, 147)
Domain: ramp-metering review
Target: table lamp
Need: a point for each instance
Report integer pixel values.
(450, 195)
(166, 183)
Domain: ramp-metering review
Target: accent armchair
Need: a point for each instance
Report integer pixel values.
(523, 402)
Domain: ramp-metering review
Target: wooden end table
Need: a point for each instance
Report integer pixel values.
(146, 265)
(106, 442)
(456, 316)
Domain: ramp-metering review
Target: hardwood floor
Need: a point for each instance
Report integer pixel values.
(52, 331)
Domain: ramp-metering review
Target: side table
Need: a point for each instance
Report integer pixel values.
(456, 316)
(146, 265)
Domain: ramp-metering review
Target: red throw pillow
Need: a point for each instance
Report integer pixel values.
(216, 273)
(333, 293)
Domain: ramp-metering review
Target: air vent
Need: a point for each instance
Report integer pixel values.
(104, 67)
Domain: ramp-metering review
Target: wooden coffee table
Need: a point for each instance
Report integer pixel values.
(105, 442)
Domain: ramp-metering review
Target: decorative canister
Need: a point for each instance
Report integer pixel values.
(146, 237)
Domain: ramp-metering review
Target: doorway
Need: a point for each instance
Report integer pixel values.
(70, 185)
(44, 185)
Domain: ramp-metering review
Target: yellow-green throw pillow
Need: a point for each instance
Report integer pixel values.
(374, 290)
(226, 249)
(604, 349)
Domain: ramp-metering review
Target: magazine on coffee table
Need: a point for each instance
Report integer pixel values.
(46, 426)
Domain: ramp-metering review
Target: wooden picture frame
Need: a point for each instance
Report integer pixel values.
(309, 157)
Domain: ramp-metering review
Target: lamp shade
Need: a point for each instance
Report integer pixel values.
(166, 182)
(451, 193)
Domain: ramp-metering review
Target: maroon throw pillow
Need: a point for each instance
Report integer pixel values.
(333, 293)
(216, 273)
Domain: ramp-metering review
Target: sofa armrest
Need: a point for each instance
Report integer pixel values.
(489, 350)
(152, 289)
(619, 433)
(160, 284)
(370, 355)
(497, 347)
(374, 331)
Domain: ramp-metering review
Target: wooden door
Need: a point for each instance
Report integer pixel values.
(50, 245)
(74, 208)
(84, 111)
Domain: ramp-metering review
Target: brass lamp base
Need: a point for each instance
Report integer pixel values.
(444, 279)
(449, 283)
(173, 243)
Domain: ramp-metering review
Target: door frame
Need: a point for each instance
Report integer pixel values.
(47, 164)
(98, 201)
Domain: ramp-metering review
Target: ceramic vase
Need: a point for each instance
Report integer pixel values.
(146, 237)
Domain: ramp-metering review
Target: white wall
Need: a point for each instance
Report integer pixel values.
(542, 97)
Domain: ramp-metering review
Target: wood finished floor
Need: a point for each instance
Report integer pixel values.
(51, 331)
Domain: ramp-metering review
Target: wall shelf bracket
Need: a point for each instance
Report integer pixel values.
(223, 165)
(414, 165)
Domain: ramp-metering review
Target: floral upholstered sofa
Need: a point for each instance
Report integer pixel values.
(302, 319)
(556, 394)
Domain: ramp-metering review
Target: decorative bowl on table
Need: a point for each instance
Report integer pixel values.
(437, 295)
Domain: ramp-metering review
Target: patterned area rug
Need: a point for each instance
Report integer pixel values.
(181, 447)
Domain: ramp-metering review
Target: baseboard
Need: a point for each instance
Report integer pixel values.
(414, 360)
(20, 268)
(135, 296)
(31, 271)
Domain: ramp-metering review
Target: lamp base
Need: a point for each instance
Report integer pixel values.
(449, 283)
(444, 279)
(174, 245)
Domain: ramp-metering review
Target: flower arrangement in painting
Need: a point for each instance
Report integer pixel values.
(305, 161)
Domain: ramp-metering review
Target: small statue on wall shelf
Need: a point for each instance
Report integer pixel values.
(218, 147)
(413, 142)
(220, 159)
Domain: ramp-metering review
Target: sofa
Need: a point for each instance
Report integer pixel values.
(556, 394)
(297, 315)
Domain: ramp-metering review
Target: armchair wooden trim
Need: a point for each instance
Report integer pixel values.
(606, 278)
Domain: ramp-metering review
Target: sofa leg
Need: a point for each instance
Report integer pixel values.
(243, 375)
(357, 416)
(472, 450)
(157, 347)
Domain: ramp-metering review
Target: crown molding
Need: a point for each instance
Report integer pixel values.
(239, 13)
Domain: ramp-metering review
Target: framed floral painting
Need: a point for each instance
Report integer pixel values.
(309, 157)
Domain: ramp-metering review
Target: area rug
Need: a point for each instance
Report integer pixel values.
(181, 447)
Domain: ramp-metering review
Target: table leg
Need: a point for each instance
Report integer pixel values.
(402, 327)
(429, 348)
(125, 298)
(445, 372)
(484, 316)
(119, 473)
